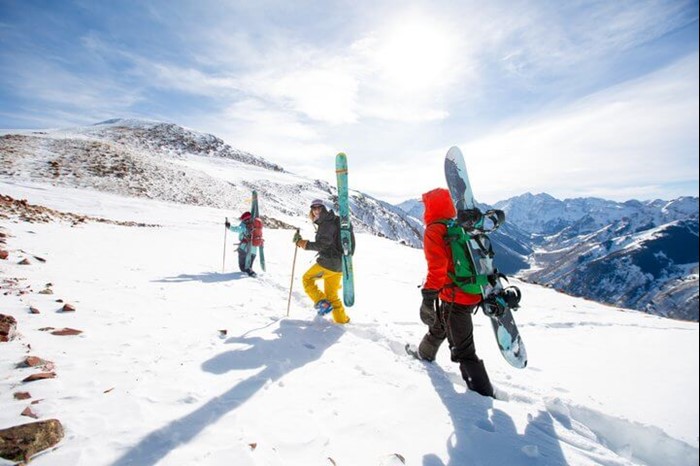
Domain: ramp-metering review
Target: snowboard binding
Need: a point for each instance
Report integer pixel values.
(496, 304)
(475, 221)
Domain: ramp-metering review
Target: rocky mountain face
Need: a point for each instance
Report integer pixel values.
(639, 255)
(170, 163)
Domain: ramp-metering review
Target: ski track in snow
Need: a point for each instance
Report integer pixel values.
(305, 390)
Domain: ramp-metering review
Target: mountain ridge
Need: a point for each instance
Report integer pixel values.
(564, 244)
(168, 162)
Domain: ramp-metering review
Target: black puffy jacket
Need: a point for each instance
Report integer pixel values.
(327, 241)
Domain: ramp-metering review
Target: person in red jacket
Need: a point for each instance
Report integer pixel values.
(446, 309)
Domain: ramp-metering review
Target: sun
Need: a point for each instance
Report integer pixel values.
(415, 53)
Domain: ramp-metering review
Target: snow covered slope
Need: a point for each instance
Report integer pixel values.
(164, 161)
(180, 362)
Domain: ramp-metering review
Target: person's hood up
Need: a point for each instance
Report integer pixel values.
(438, 206)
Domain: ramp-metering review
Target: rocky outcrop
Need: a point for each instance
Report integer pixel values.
(8, 327)
(20, 443)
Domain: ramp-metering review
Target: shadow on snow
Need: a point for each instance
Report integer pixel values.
(206, 277)
(486, 436)
(279, 356)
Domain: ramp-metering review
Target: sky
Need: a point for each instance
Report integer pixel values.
(576, 98)
(184, 360)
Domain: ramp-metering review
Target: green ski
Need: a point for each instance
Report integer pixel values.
(341, 172)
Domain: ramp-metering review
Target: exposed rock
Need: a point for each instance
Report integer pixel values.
(39, 376)
(66, 331)
(8, 327)
(27, 212)
(33, 361)
(20, 443)
(3, 254)
(24, 261)
(68, 308)
(22, 395)
(33, 310)
(29, 413)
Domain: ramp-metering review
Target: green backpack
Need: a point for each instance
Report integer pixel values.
(466, 275)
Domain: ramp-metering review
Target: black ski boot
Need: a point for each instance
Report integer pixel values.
(474, 373)
(428, 348)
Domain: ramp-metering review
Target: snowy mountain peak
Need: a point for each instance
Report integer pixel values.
(165, 161)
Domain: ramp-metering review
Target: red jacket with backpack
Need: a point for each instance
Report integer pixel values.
(438, 206)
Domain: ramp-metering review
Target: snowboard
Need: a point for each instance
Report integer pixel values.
(494, 303)
(255, 212)
(341, 173)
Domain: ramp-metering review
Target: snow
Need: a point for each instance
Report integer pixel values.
(153, 380)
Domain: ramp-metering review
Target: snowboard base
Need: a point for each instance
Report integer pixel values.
(508, 339)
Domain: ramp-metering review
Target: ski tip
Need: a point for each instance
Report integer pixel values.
(454, 151)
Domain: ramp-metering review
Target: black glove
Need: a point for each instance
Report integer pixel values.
(227, 224)
(428, 308)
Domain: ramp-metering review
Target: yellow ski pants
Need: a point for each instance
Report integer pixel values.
(331, 285)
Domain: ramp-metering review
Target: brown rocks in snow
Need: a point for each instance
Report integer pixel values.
(24, 261)
(47, 289)
(3, 254)
(20, 443)
(22, 395)
(33, 361)
(39, 376)
(29, 413)
(68, 308)
(27, 212)
(66, 332)
(33, 310)
(8, 327)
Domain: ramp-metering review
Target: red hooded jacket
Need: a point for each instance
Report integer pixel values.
(438, 206)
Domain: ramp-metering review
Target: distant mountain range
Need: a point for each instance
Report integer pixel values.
(640, 255)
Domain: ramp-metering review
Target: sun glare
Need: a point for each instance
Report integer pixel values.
(415, 54)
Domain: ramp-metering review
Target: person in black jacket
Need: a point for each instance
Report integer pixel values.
(328, 266)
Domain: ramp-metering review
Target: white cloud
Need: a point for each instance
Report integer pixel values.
(296, 86)
(620, 139)
(324, 93)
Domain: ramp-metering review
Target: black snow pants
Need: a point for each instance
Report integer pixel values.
(454, 323)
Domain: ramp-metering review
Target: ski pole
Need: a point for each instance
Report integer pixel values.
(223, 266)
(291, 284)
